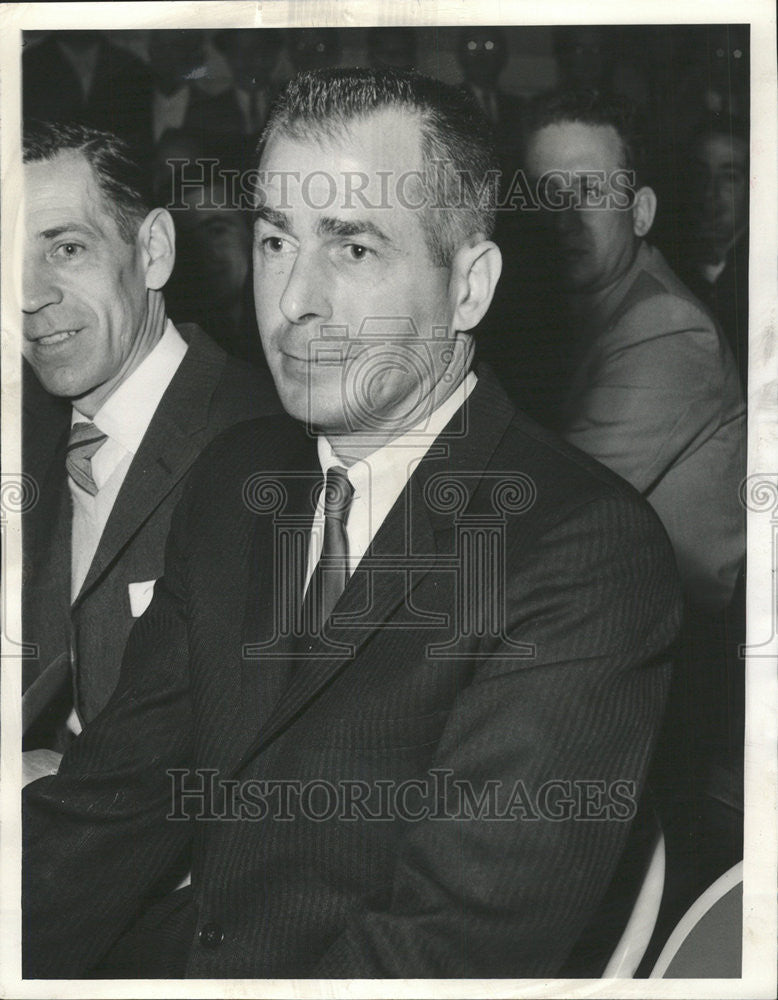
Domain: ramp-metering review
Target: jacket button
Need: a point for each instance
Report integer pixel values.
(211, 935)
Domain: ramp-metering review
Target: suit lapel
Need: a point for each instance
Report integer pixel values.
(46, 593)
(282, 503)
(171, 445)
(416, 532)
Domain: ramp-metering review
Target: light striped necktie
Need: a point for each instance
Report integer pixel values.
(331, 574)
(85, 439)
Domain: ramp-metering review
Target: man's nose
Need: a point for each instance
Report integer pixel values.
(39, 288)
(306, 295)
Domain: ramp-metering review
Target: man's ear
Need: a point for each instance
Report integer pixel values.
(157, 241)
(475, 272)
(643, 211)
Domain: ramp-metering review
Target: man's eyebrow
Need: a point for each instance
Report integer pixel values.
(344, 229)
(67, 227)
(274, 218)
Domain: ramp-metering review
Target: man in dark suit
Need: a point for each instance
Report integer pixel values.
(96, 336)
(397, 725)
(252, 55)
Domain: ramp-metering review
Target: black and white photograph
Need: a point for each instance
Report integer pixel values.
(389, 499)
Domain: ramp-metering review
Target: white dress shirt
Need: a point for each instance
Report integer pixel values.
(380, 478)
(125, 417)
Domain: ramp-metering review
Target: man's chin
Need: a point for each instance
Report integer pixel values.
(59, 385)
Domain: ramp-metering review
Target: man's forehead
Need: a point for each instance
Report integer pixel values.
(576, 145)
(63, 190)
(63, 185)
(370, 153)
(68, 169)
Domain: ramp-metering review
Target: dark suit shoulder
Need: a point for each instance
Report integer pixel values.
(263, 446)
(245, 391)
(238, 390)
(270, 441)
(563, 478)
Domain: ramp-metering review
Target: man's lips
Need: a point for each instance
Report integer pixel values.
(58, 337)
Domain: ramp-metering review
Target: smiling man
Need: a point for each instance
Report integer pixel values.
(140, 401)
(398, 725)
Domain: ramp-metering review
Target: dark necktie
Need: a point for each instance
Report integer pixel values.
(85, 440)
(330, 577)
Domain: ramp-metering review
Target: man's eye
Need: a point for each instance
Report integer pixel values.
(357, 252)
(68, 250)
(273, 244)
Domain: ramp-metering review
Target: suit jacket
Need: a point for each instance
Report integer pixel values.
(655, 397)
(727, 298)
(119, 100)
(209, 393)
(544, 666)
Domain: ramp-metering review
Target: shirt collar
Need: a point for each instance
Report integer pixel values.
(398, 458)
(126, 414)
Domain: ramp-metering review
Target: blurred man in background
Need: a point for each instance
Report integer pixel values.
(716, 214)
(653, 391)
(252, 55)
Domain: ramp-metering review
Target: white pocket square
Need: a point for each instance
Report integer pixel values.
(140, 596)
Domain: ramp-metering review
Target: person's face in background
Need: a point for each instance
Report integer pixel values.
(215, 242)
(482, 55)
(591, 247)
(176, 58)
(718, 193)
(85, 293)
